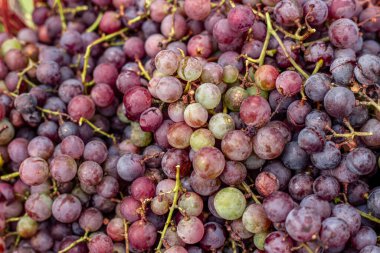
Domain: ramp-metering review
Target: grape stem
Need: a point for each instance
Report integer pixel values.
(97, 129)
(13, 219)
(84, 238)
(10, 176)
(76, 9)
(95, 24)
(176, 190)
(318, 66)
(306, 247)
(61, 14)
(88, 52)
(369, 100)
(368, 216)
(21, 75)
(248, 189)
(126, 236)
(143, 70)
(325, 39)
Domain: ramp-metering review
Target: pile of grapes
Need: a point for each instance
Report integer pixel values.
(190, 126)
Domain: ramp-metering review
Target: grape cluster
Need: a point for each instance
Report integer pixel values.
(190, 126)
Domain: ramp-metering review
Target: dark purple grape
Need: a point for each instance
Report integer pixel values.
(342, 9)
(366, 236)
(303, 224)
(297, 112)
(300, 186)
(315, 11)
(277, 206)
(373, 202)
(48, 73)
(240, 18)
(318, 119)
(311, 139)
(350, 215)
(204, 187)
(223, 32)
(282, 173)
(322, 207)
(214, 236)
(100, 242)
(356, 192)
(361, 161)
(66, 208)
(326, 187)
(367, 70)
(334, 232)
(288, 12)
(278, 242)
(294, 157)
(343, 33)
(234, 173)
(328, 158)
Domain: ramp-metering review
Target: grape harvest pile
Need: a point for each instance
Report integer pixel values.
(190, 126)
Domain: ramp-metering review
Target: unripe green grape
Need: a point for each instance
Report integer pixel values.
(190, 69)
(256, 91)
(159, 205)
(26, 227)
(7, 133)
(208, 95)
(140, 138)
(230, 203)
(230, 74)
(234, 96)
(201, 138)
(191, 203)
(220, 124)
(259, 240)
(10, 44)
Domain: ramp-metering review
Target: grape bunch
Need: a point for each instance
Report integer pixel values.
(190, 126)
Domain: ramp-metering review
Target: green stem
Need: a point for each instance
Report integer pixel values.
(318, 66)
(369, 100)
(143, 70)
(94, 43)
(73, 244)
(248, 189)
(61, 14)
(95, 24)
(266, 42)
(325, 39)
(13, 219)
(126, 236)
(306, 247)
(76, 9)
(10, 176)
(97, 129)
(368, 216)
(176, 190)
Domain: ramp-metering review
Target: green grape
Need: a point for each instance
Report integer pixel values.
(10, 44)
(255, 219)
(201, 138)
(230, 74)
(121, 114)
(220, 124)
(208, 95)
(259, 240)
(191, 203)
(140, 138)
(234, 96)
(255, 91)
(190, 69)
(26, 227)
(230, 203)
(7, 133)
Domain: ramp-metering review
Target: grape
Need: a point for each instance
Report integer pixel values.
(202, 186)
(34, 171)
(288, 12)
(349, 215)
(316, 86)
(100, 242)
(195, 115)
(258, 117)
(366, 236)
(356, 192)
(230, 203)
(302, 224)
(8, 132)
(179, 135)
(90, 173)
(40, 146)
(234, 173)
(151, 119)
(139, 138)
(367, 70)
(197, 10)
(326, 187)
(166, 62)
(26, 227)
(268, 143)
(130, 166)
(153, 44)
(220, 124)
(48, 72)
(115, 229)
(277, 206)
(343, 33)
(294, 157)
(320, 206)
(373, 203)
(212, 73)
(200, 45)
(300, 186)
(176, 249)
(201, 138)
(129, 209)
(282, 173)
(240, 18)
(15, 60)
(373, 126)
(108, 187)
(214, 236)
(208, 95)
(265, 77)
(91, 219)
(297, 112)
(38, 206)
(143, 188)
(288, 83)
(190, 230)
(174, 157)
(311, 139)
(177, 22)
(342, 9)
(359, 116)
(136, 100)
(191, 203)
(361, 161)
(318, 119)
(255, 219)
(372, 26)
(278, 242)
(190, 69)
(169, 89)
(66, 208)
(370, 249)
(253, 49)
(334, 232)
(342, 173)
(316, 12)
(208, 162)
(234, 97)
(42, 241)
